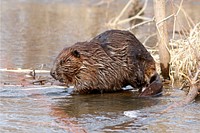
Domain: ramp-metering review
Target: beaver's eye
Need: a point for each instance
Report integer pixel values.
(75, 53)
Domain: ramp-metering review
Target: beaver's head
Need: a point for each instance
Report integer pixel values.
(154, 84)
(150, 72)
(66, 65)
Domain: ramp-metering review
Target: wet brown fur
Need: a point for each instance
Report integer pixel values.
(107, 63)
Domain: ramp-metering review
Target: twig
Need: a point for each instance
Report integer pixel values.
(148, 39)
(166, 18)
(142, 23)
(185, 76)
(40, 81)
(137, 16)
(19, 70)
(175, 17)
(122, 12)
(196, 75)
(45, 87)
(189, 20)
(132, 18)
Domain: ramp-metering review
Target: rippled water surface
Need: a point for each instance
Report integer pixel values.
(32, 34)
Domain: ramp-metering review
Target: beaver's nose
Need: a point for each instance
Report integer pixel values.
(53, 74)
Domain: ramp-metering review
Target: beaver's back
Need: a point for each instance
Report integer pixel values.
(123, 44)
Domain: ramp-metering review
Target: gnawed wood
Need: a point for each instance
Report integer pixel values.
(19, 70)
(44, 87)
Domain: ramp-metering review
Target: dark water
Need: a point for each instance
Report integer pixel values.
(32, 34)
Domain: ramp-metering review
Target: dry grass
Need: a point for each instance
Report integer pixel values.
(185, 55)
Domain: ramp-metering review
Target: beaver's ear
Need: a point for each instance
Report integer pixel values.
(75, 53)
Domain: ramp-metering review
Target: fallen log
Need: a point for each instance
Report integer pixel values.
(192, 94)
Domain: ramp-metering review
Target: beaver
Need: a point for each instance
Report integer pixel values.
(107, 63)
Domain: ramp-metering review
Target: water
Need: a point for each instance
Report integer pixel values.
(32, 34)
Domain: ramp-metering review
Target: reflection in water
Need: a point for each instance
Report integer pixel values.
(99, 110)
(96, 103)
(63, 121)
